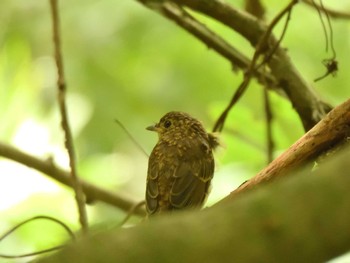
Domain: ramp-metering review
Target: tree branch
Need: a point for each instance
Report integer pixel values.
(266, 225)
(331, 130)
(210, 39)
(302, 96)
(47, 167)
(260, 49)
(61, 87)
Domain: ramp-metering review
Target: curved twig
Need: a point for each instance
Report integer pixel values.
(68, 230)
(332, 13)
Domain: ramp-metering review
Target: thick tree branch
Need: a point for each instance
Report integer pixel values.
(210, 39)
(300, 219)
(302, 96)
(47, 167)
(334, 128)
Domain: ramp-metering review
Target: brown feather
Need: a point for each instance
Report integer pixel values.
(181, 165)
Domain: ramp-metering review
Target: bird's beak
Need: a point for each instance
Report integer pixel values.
(152, 128)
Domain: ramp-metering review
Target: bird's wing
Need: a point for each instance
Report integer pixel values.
(175, 182)
(191, 181)
(152, 190)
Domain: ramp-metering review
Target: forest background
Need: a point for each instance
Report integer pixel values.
(123, 61)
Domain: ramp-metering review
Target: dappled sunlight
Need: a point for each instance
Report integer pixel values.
(19, 182)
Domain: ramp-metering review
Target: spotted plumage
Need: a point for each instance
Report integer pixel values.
(181, 164)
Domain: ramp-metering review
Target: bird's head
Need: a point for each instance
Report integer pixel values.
(177, 124)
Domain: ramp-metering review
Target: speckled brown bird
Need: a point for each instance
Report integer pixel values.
(181, 164)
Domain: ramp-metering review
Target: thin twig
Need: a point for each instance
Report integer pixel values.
(329, 23)
(322, 23)
(260, 48)
(132, 211)
(310, 108)
(330, 12)
(68, 230)
(33, 253)
(131, 137)
(331, 67)
(268, 118)
(61, 85)
(331, 64)
(277, 44)
(91, 191)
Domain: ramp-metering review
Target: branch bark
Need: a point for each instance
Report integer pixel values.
(91, 192)
(212, 40)
(266, 225)
(302, 96)
(308, 105)
(331, 130)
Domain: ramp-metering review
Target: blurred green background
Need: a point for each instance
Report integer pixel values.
(124, 61)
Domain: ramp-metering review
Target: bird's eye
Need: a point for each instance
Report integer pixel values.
(167, 124)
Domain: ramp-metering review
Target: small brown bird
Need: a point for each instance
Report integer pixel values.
(181, 164)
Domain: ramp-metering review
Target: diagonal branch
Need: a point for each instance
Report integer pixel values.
(212, 40)
(302, 96)
(91, 191)
(315, 142)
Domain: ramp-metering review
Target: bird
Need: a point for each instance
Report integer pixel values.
(181, 165)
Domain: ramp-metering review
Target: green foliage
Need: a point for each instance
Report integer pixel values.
(123, 61)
